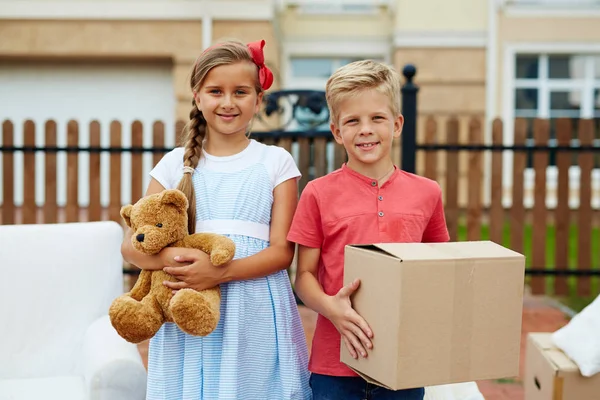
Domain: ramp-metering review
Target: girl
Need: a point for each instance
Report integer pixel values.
(248, 191)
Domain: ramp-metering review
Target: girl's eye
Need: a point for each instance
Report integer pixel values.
(215, 91)
(240, 92)
(159, 225)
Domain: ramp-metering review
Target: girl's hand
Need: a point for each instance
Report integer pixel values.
(194, 270)
(355, 331)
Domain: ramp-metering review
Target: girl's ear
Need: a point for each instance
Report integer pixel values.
(196, 99)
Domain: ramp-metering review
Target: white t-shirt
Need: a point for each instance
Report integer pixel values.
(278, 162)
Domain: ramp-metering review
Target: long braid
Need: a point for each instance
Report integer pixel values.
(195, 131)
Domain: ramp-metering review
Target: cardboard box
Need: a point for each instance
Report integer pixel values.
(551, 375)
(440, 312)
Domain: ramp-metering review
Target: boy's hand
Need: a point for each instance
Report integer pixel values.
(355, 331)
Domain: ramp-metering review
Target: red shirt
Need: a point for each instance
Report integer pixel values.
(346, 207)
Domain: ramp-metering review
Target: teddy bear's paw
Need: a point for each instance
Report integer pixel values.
(220, 256)
(134, 321)
(196, 313)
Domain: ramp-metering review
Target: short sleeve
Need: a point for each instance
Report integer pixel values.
(436, 230)
(285, 167)
(169, 170)
(307, 229)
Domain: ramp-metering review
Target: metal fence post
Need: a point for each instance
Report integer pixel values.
(409, 111)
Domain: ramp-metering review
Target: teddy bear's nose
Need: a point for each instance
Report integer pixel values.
(140, 237)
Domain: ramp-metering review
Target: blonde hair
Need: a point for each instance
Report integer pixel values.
(357, 76)
(228, 52)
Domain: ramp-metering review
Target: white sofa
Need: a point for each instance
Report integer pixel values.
(56, 341)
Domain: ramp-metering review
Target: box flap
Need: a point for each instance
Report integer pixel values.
(484, 249)
(369, 379)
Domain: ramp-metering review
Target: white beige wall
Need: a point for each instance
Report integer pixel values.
(293, 23)
(441, 15)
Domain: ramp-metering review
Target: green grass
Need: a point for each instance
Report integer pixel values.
(573, 301)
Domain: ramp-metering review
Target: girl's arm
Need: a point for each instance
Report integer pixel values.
(141, 260)
(200, 274)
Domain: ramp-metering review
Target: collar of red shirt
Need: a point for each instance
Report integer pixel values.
(365, 179)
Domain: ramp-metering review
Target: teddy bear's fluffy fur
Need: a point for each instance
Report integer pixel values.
(157, 221)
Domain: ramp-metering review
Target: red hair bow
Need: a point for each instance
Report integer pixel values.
(265, 76)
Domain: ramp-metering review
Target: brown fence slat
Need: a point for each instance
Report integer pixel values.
(584, 220)
(158, 140)
(304, 161)
(72, 209)
(50, 201)
(475, 174)
(29, 209)
(137, 140)
(541, 133)
(452, 179)
(496, 193)
(431, 156)
(320, 157)
(285, 143)
(339, 156)
(517, 210)
(561, 213)
(94, 210)
(8, 181)
(114, 207)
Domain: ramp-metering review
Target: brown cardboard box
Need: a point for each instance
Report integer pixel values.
(551, 375)
(440, 312)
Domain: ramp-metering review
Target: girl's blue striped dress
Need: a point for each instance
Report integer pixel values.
(258, 351)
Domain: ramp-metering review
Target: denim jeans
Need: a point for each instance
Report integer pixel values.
(326, 387)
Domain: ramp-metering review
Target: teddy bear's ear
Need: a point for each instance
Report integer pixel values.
(175, 197)
(126, 214)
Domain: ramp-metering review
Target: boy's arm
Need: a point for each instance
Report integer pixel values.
(354, 330)
(307, 231)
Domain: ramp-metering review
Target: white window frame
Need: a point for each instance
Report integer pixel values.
(551, 8)
(337, 7)
(511, 83)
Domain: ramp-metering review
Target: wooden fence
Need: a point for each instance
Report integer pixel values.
(558, 263)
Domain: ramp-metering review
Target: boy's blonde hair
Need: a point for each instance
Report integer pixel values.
(357, 76)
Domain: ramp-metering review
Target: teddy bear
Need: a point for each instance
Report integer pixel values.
(160, 220)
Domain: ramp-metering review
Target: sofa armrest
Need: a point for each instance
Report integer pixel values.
(112, 367)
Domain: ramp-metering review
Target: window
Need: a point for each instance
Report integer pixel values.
(313, 72)
(317, 67)
(338, 6)
(557, 86)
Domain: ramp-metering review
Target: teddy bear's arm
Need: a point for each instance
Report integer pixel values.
(220, 248)
(142, 285)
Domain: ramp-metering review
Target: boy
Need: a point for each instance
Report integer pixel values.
(367, 200)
